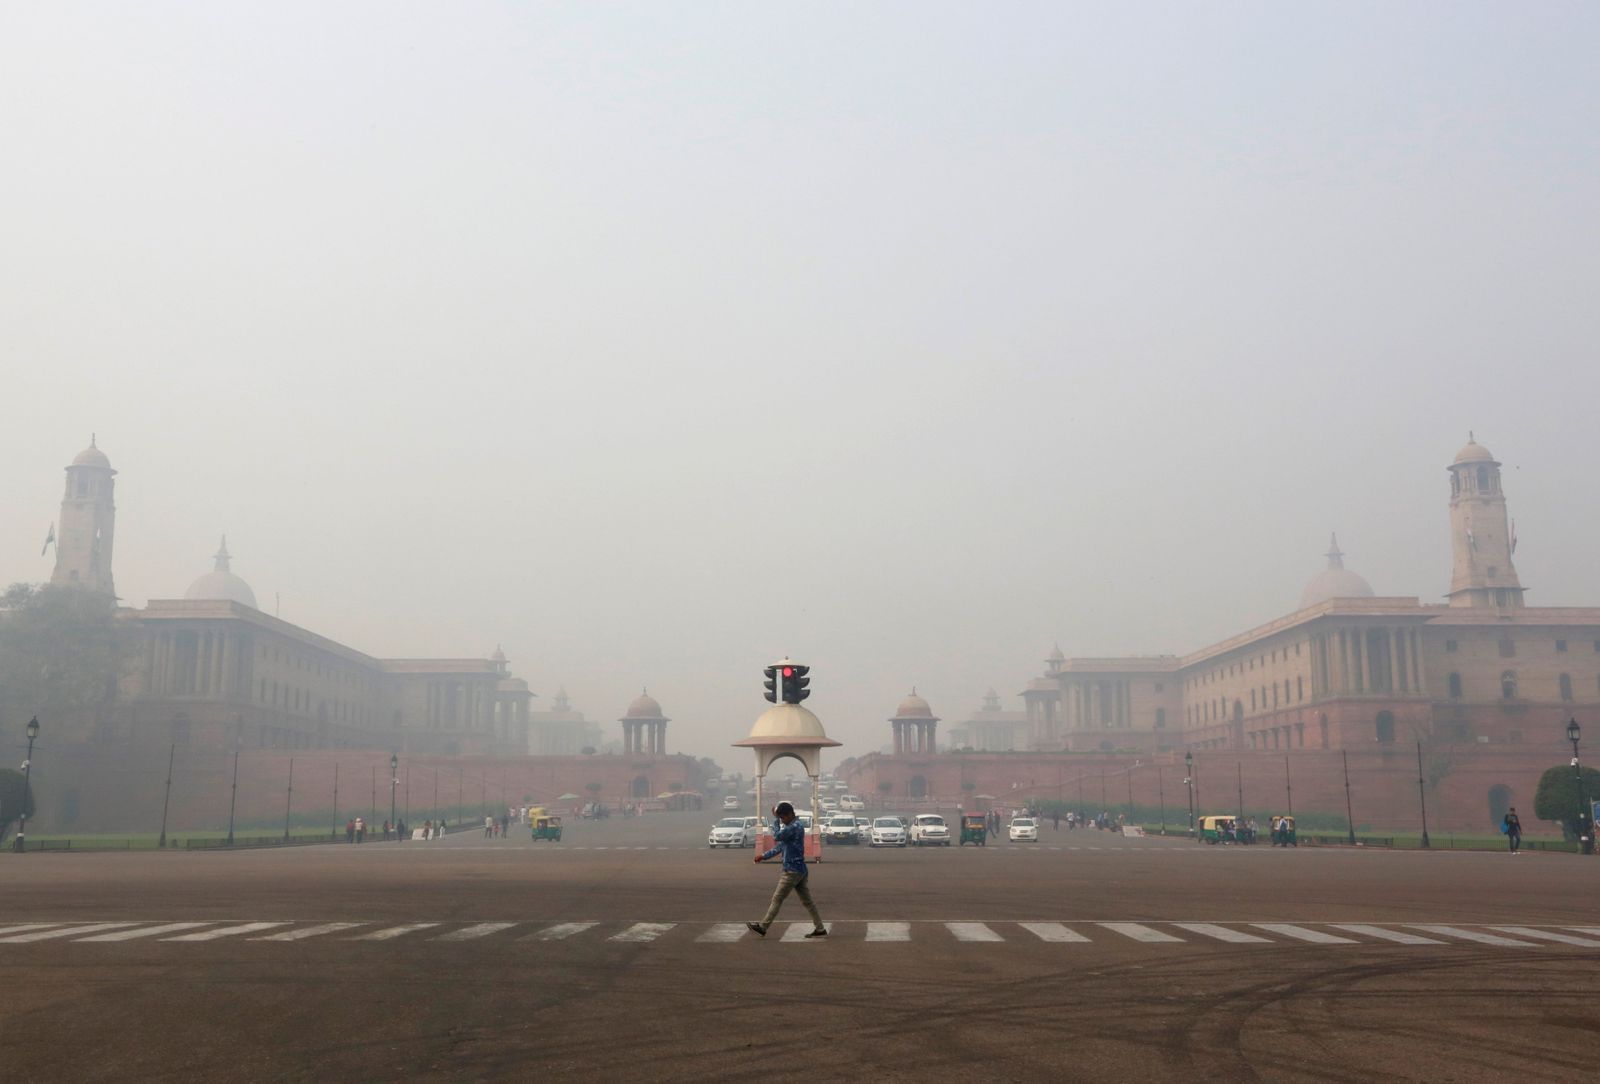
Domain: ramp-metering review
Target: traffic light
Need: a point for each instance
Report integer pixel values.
(794, 684)
(772, 683)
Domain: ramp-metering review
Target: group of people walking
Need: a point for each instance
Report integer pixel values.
(355, 830)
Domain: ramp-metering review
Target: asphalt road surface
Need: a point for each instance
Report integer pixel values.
(620, 954)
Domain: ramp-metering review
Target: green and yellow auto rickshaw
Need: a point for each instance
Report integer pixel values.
(547, 827)
(1218, 828)
(1283, 833)
(974, 829)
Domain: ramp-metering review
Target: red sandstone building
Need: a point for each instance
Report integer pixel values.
(1480, 679)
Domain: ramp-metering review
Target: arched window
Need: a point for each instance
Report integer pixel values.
(919, 787)
(1508, 685)
(1383, 726)
(640, 788)
(1483, 479)
(1455, 686)
(1161, 717)
(1499, 802)
(1566, 686)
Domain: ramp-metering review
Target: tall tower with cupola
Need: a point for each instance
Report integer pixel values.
(1481, 538)
(88, 523)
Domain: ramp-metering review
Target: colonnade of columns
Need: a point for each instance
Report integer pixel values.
(914, 736)
(644, 736)
(1368, 660)
(202, 663)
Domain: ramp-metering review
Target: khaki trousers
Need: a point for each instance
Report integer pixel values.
(796, 883)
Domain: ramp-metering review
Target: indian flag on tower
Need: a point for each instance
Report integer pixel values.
(49, 537)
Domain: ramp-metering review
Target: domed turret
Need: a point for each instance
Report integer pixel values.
(914, 725)
(1335, 581)
(1473, 452)
(644, 728)
(221, 583)
(91, 456)
(913, 707)
(644, 706)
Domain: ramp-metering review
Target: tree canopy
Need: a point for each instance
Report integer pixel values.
(62, 652)
(1557, 796)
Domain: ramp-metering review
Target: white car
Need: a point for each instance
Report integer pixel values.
(1024, 829)
(733, 832)
(731, 802)
(929, 830)
(842, 828)
(888, 832)
(851, 804)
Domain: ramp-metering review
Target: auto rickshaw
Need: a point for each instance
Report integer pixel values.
(547, 827)
(1284, 836)
(1219, 828)
(974, 829)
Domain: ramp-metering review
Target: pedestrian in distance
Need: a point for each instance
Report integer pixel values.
(361, 829)
(1512, 827)
(1056, 819)
(350, 830)
(789, 840)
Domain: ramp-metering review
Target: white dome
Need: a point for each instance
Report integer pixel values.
(1335, 581)
(222, 585)
(787, 724)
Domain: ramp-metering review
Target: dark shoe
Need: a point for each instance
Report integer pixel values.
(756, 928)
(818, 933)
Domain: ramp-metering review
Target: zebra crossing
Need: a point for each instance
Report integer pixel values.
(1336, 935)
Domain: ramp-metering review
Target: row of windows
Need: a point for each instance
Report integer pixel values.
(1216, 710)
(1508, 686)
(300, 662)
(1508, 647)
(1232, 669)
(292, 699)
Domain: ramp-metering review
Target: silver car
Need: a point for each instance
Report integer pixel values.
(733, 832)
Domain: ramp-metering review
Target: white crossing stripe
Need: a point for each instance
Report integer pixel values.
(888, 931)
(1221, 933)
(1052, 931)
(1300, 933)
(1138, 932)
(70, 931)
(1585, 929)
(972, 931)
(146, 931)
(642, 931)
(798, 930)
(482, 929)
(560, 932)
(1472, 935)
(392, 932)
(309, 931)
(226, 931)
(1397, 936)
(724, 932)
(1547, 935)
(26, 926)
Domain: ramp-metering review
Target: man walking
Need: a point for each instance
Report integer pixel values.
(789, 840)
(1513, 829)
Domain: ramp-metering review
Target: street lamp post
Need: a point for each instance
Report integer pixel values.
(1288, 787)
(1585, 814)
(1349, 815)
(1422, 796)
(233, 799)
(288, 801)
(1240, 766)
(21, 843)
(1188, 782)
(1130, 792)
(336, 799)
(1161, 796)
(394, 781)
(166, 803)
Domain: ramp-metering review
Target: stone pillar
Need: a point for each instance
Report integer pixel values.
(1397, 674)
(894, 729)
(933, 737)
(1416, 662)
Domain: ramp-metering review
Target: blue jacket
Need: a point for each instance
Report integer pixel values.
(790, 840)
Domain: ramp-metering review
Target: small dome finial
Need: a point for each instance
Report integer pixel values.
(1334, 555)
(222, 556)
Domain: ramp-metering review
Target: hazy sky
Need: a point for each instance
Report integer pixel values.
(655, 341)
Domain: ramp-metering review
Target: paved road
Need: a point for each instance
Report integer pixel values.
(620, 954)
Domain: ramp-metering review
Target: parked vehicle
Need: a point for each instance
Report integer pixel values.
(842, 828)
(1219, 828)
(1023, 830)
(887, 832)
(975, 829)
(547, 827)
(733, 832)
(929, 830)
(1285, 836)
